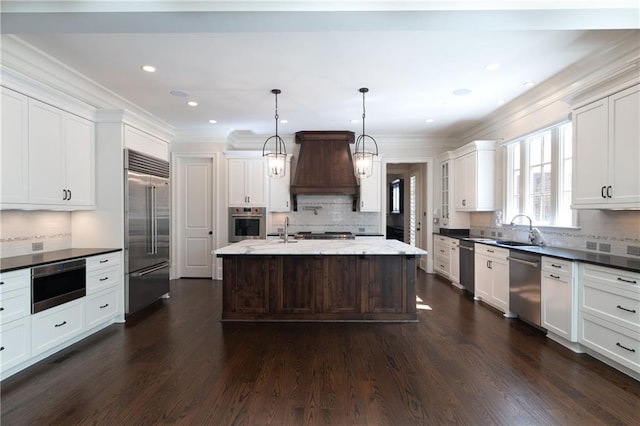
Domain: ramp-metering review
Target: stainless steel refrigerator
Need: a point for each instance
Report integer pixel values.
(147, 221)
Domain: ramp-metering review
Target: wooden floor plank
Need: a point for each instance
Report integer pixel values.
(176, 363)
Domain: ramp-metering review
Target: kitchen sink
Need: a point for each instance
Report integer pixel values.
(514, 244)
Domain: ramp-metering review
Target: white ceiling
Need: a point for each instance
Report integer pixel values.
(229, 58)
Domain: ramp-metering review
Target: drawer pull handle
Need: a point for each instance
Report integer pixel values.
(1, 282)
(624, 347)
(1, 348)
(61, 324)
(633, 311)
(104, 306)
(557, 277)
(104, 261)
(490, 251)
(627, 281)
(1, 309)
(556, 266)
(104, 279)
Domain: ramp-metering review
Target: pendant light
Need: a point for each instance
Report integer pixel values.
(277, 158)
(363, 156)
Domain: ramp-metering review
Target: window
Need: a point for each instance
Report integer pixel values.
(539, 177)
(396, 199)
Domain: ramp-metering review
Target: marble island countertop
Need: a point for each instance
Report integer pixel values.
(319, 247)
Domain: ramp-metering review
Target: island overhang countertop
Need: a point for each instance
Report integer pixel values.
(364, 246)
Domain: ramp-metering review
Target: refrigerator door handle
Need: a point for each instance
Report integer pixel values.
(154, 219)
(150, 270)
(149, 219)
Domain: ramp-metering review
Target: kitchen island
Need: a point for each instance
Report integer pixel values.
(318, 280)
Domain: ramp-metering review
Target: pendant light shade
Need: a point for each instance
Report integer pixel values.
(363, 153)
(275, 150)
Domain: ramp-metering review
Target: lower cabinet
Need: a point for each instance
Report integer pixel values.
(559, 292)
(56, 325)
(101, 307)
(319, 288)
(15, 343)
(610, 316)
(491, 276)
(442, 255)
(15, 318)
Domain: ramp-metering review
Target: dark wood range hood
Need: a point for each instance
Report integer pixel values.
(325, 165)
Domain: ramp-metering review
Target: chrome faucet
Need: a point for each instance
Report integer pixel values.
(533, 232)
(286, 229)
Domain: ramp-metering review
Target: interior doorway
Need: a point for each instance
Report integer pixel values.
(194, 210)
(411, 222)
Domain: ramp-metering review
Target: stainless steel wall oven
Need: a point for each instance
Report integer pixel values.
(247, 223)
(57, 283)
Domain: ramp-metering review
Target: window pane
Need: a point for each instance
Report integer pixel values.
(547, 147)
(535, 150)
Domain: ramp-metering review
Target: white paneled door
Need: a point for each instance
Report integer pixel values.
(195, 223)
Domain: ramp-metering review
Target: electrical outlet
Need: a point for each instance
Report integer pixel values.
(604, 247)
(633, 250)
(481, 232)
(499, 234)
(493, 233)
(592, 245)
(37, 246)
(360, 229)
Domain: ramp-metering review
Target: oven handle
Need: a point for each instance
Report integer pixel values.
(257, 216)
(150, 270)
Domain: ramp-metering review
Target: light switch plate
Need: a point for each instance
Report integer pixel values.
(37, 246)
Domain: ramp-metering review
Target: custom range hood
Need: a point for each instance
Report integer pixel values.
(325, 165)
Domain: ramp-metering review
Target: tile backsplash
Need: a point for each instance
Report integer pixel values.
(19, 230)
(604, 231)
(318, 213)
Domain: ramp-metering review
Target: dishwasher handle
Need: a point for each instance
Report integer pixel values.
(524, 262)
(466, 248)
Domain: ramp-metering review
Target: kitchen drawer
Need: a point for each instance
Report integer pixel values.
(56, 325)
(557, 266)
(15, 343)
(103, 261)
(611, 340)
(441, 250)
(15, 280)
(15, 304)
(491, 251)
(101, 307)
(102, 278)
(623, 280)
(604, 301)
(441, 265)
(440, 239)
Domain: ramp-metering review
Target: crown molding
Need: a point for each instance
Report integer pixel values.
(44, 70)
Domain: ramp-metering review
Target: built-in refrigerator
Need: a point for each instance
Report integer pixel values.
(147, 222)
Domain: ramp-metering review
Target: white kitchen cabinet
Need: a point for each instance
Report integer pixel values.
(454, 261)
(280, 191)
(371, 189)
(441, 255)
(610, 315)
(61, 158)
(491, 276)
(450, 218)
(101, 307)
(55, 326)
(15, 322)
(474, 177)
(247, 180)
(606, 152)
(104, 290)
(559, 292)
(14, 154)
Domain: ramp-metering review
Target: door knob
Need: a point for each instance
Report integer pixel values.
(210, 232)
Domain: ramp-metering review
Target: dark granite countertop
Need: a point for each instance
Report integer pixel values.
(36, 259)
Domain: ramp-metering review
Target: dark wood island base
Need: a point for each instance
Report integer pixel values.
(366, 288)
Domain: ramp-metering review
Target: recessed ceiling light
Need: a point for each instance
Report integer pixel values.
(192, 103)
(148, 68)
(180, 93)
(213, 121)
(461, 92)
(354, 121)
(501, 102)
(529, 83)
(284, 121)
(430, 120)
(492, 67)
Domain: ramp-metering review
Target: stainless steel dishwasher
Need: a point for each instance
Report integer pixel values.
(524, 286)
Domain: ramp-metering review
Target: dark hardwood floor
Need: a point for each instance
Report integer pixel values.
(176, 363)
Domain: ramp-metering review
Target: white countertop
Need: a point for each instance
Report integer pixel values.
(320, 247)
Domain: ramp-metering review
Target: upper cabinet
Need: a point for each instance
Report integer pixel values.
(474, 177)
(280, 191)
(247, 182)
(450, 217)
(606, 152)
(371, 189)
(59, 163)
